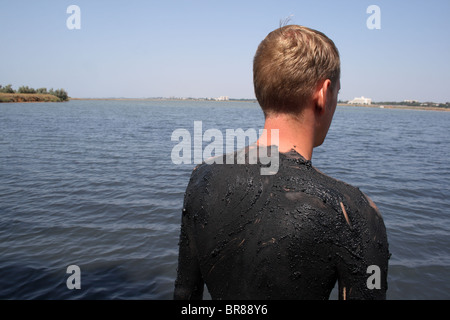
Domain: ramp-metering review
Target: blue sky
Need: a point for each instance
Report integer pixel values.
(199, 48)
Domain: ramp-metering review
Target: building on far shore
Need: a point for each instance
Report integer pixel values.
(221, 98)
(361, 100)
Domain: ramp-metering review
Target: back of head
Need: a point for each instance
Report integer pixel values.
(288, 66)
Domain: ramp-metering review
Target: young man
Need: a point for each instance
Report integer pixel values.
(293, 234)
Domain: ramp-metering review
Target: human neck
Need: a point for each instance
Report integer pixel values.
(294, 133)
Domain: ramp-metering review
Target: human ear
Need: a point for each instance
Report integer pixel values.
(322, 96)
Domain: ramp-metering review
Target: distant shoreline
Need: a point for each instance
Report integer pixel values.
(167, 99)
(384, 106)
(30, 98)
(27, 97)
(387, 106)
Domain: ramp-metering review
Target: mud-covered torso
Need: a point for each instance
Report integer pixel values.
(284, 236)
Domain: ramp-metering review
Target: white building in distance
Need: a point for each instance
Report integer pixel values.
(221, 98)
(361, 100)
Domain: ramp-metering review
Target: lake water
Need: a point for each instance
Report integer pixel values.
(92, 184)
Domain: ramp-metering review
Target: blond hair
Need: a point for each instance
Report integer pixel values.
(288, 66)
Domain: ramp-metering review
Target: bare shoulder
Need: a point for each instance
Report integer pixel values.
(351, 192)
(373, 205)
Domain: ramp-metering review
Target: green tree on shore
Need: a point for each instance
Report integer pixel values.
(25, 89)
(60, 93)
(42, 91)
(7, 89)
